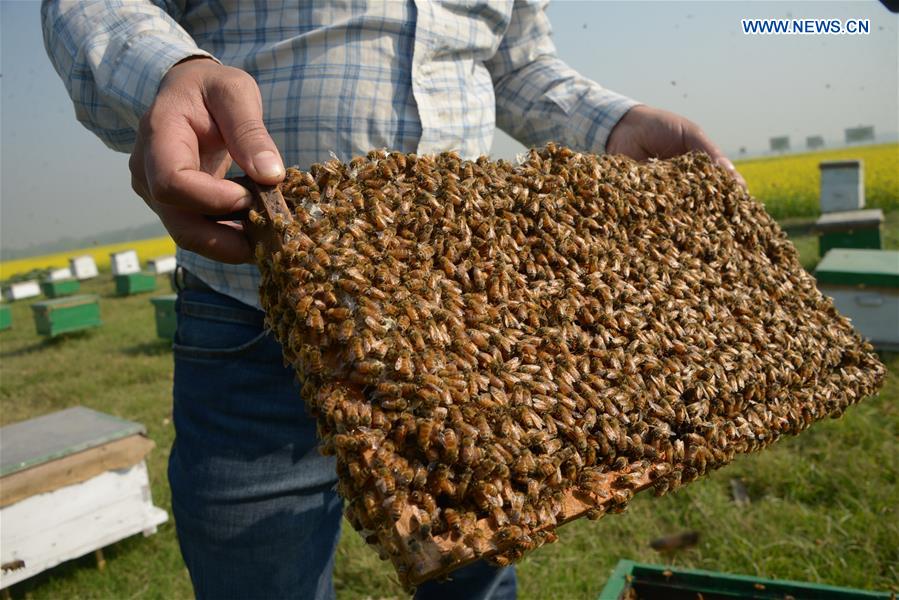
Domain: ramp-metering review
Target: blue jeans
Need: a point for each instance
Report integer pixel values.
(254, 502)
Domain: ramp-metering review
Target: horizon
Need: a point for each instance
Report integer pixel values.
(687, 57)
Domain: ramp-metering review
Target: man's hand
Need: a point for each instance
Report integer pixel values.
(204, 115)
(646, 132)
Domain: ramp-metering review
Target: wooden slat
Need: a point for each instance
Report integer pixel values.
(74, 468)
(437, 556)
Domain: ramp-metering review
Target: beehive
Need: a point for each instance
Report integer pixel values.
(65, 315)
(166, 318)
(842, 185)
(492, 350)
(22, 290)
(161, 265)
(124, 262)
(5, 317)
(864, 286)
(849, 229)
(83, 267)
(134, 283)
(57, 288)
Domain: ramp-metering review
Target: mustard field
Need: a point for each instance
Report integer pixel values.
(146, 249)
(789, 185)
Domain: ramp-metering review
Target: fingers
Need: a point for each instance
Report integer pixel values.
(171, 165)
(223, 242)
(696, 139)
(236, 106)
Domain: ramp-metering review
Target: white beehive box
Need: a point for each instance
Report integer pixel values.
(161, 264)
(125, 262)
(83, 267)
(842, 185)
(23, 289)
(60, 274)
(71, 483)
(864, 285)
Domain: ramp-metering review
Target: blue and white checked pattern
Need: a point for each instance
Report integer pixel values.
(336, 77)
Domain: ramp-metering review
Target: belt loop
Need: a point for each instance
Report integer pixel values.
(178, 278)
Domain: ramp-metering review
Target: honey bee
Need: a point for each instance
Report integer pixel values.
(453, 520)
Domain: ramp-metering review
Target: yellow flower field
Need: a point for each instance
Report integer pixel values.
(790, 185)
(146, 249)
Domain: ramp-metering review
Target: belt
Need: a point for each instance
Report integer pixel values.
(182, 279)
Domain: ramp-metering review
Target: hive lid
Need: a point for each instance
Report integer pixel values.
(164, 300)
(839, 164)
(62, 302)
(871, 217)
(860, 267)
(40, 440)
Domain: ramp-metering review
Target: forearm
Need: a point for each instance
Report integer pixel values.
(111, 56)
(546, 100)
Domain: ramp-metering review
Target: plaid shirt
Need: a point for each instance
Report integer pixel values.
(336, 77)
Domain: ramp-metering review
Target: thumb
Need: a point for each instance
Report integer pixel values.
(236, 106)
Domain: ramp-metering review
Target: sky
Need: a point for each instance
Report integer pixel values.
(57, 179)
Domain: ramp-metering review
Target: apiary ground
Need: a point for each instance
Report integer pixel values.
(823, 504)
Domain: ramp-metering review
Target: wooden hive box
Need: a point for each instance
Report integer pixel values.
(71, 482)
(22, 290)
(57, 288)
(135, 283)
(864, 286)
(5, 317)
(161, 265)
(842, 185)
(849, 229)
(83, 267)
(64, 315)
(657, 582)
(166, 319)
(59, 274)
(124, 262)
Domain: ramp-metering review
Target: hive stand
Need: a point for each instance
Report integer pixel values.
(849, 229)
(418, 558)
(71, 482)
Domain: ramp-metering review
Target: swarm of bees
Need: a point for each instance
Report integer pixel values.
(493, 349)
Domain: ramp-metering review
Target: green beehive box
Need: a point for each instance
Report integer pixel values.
(60, 287)
(657, 582)
(64, 315)
(850, 229)
(135, 283)
(166, 321)
(5, 317)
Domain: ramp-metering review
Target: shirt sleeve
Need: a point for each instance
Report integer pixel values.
(539, 98)
(111, 56)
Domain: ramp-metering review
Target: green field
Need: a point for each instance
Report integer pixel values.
(825, 506)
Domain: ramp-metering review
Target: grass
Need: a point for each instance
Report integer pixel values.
(790, 185)
(824, 505)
